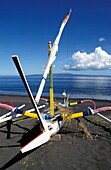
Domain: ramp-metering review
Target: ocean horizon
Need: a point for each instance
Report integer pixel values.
(77, 86)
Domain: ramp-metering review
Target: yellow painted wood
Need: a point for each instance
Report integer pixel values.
(51, 85)
(76, 115)
(73, 103)
(32, 115)
(51, 102)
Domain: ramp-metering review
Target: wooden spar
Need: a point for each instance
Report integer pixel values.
(22, 75)
(9, 113)
(51, 85)
(51, 58)
(105, 118)
(5, 119)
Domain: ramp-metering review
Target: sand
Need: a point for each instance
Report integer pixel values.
(72, 152)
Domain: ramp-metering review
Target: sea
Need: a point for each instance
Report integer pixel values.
(77, 86)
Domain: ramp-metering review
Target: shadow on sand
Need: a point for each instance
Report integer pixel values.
(106, 129)
(26, 138)
(15, 159)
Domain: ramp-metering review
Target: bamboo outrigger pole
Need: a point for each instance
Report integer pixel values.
(51, 84)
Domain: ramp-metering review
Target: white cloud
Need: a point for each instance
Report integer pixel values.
(102, 39)
(98, 60)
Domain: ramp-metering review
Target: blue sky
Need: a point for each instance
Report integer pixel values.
(26, 26)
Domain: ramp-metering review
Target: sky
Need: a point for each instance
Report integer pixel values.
(26, 26)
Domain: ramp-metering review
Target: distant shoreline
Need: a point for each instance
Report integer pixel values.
(60, 74)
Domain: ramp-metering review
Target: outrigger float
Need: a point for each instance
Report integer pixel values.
(52, 121)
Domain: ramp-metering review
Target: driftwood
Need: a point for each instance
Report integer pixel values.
(86, 132)
(68, 112)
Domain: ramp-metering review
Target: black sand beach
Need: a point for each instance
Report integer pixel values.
(72, 152)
